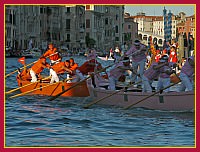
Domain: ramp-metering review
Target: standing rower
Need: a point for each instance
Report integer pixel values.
(53, 54)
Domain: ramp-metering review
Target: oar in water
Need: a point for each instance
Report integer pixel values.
(8, 92)
(26, 66)
(124, 89)
(129, 106)
(90, 76)
(23, 93)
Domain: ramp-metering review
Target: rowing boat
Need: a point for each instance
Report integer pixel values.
(171, 101)
(80, 90)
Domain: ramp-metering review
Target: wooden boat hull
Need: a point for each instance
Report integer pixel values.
(80, 90)
(173, 101)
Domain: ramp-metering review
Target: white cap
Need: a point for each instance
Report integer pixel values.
(174, 45)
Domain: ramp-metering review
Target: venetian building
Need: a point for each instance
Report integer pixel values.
(10, 27)
(105, 25)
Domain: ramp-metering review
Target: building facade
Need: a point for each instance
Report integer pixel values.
(10, 28)
(104, 26)
(69, 26)
(130, 29)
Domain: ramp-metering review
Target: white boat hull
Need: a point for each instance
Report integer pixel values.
(173, 101)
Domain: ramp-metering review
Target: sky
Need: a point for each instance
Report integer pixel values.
(157, 10)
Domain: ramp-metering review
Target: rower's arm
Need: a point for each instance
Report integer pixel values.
(66, 69)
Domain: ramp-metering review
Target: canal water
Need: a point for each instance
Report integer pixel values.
(34, 121)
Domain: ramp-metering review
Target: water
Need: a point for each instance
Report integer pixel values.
(36, 121)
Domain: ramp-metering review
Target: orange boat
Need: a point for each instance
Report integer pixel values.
(80, 90)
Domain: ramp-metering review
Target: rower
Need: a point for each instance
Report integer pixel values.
(138, 52)
(164, 74)
(53, 54)
(60, 68)
(76, 74)
(150, 74)
(73, 65)
(37, 68)
(187, 75)
(118, 70)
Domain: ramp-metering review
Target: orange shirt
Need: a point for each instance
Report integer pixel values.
(53, 57)
(86, 67)
(58, 68)
(89, 66)
(73, 67)
(38, 66)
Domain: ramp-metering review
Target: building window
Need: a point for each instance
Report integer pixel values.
(106, 9)
(116, 17)
(129, 26)
(68, 24)
(68, 38)
(116, 29)
(116, 38)
(68, 10)
(41, 10)
(106, 21)
(87, 23)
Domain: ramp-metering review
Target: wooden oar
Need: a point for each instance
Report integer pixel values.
(26, 66)
(8, 92)
(20, 69)
(124, 89)
(129, 106)
(23, 93)
(56, 96)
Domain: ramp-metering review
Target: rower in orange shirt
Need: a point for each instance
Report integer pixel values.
(76, 75)
(59, 68)
(37, 68)
(73, 65)
(89, 66)
(53, 54)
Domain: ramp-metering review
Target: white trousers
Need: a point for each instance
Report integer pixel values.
(54, 76)
(33, 76)
(112, 82)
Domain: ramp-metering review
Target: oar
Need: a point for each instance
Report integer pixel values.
(20, 69)
(129, 106)
(8, 92)
(56, 96)
(23, 93)
(26, 66)
(124, 89)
